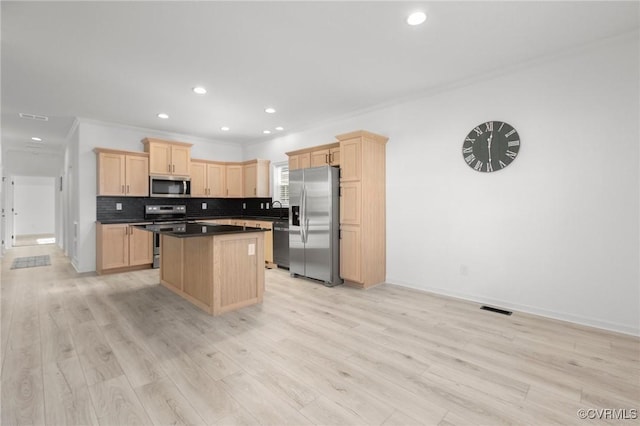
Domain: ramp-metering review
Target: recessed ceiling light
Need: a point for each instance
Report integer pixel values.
(163, 115)
(279, 128)
(269, 110)
(266, 132)
(36, 139)
(199, 90)
(416, 18)
(224, 128)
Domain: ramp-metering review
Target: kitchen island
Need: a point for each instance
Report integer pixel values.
(218, 268)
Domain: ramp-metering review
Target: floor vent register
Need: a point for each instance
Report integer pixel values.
(496, 310)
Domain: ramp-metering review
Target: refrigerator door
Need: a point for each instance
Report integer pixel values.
(296, 243)
(316, 223)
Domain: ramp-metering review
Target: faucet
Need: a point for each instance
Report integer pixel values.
(273, 203)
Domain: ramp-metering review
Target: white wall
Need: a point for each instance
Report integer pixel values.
(23, 163)
(34, 204)
(557, 232)
(93, 134)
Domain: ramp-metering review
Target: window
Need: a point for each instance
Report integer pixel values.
(281, 182)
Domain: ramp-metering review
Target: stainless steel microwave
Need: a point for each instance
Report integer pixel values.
(169, 186)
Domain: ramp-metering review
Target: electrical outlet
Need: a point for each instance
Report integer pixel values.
(267, 205)
(118, 206)
(261, 206)
(252, 249)
(244, 206)
(204, 206)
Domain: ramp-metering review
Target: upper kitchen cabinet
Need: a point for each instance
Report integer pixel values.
(233, 177)
(326, 156)
(168, 158)
(316, 156)
(299, 161)
(122, 173)
(255, 178)
(362, 208)
(208, 179)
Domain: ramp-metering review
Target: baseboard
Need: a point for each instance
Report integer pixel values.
(575, 319)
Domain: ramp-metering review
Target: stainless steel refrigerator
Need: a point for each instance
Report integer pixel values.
(314, 224)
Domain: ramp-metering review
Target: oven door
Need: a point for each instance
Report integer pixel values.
(169, 187)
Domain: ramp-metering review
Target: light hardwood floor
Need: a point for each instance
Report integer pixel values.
(120, 349)
(34, 240)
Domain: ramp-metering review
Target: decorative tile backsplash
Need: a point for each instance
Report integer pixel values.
(133, 207)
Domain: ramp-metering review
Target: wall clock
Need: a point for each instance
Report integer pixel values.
(491, 146)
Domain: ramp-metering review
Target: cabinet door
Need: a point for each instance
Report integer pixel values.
(180, 160)
(250, 180)
(294, 162)
(111, 174)
(334, 156)
(350, 253)
(304, 160)
(319, 158)
(234, 181)
(199, 179)
(137, 176)
(140, 247)
(115, 246)
(216, 178)
(350, 159)
(350, 203)
(159, 159)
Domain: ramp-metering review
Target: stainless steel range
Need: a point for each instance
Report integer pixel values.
(164, 218)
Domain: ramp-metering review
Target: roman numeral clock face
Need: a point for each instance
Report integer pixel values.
(491, 146)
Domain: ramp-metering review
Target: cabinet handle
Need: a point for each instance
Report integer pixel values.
(326, 158)
(227, 191)
(255, 192)
(123, 189)
(174, 167)
(168, 167)
(332, 157)
(128, 190)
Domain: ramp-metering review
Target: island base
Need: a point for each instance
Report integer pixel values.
(218, 273)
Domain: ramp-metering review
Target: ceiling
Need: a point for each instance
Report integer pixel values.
(125, 62)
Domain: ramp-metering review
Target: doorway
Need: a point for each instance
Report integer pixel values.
(34, 213)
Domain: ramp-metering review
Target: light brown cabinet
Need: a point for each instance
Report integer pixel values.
(217, 273)
(122, 173)
(362, 209)
(208, 179)
(264, 224)
(120, 246)
(168, 158)
(316, 156)
(300, 161)
(327, 156)
(234, 182)
(256, 178)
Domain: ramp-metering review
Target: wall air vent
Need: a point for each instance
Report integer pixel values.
(33, 117)
(496, 310)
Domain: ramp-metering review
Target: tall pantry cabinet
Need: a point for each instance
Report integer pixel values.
(362, 208)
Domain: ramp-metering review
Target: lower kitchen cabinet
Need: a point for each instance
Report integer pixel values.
(350, 253)
(264, 224)
(122, 246)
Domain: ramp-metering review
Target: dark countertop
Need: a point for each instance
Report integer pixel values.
(195, 219)
(197, 229)
(122, 221)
